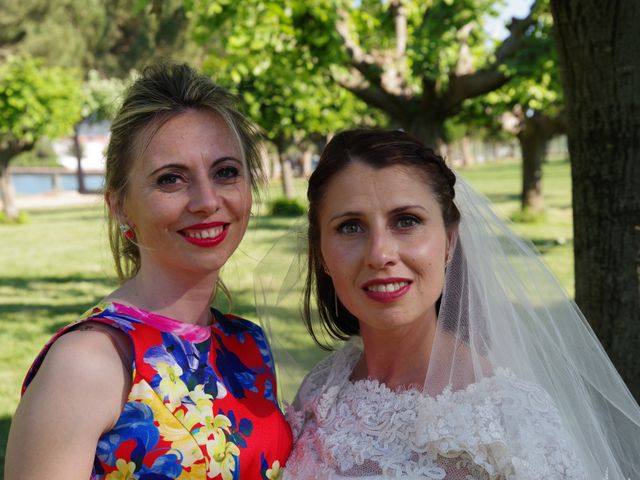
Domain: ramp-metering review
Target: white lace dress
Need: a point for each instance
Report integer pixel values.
(498, 428)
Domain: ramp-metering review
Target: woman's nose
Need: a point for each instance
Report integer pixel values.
(382, 249)
(204, 198)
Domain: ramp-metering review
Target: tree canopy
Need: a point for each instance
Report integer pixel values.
(530, 106)
(257, 54)
(415, 61)
(113, 36)
(35, 101)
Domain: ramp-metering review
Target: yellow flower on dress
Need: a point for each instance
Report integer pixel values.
(211, 426)
(202, 400)
(221, 422)
(223, 456)
(274, 472)
(198, 472)
(125, 471)
(142, 392)
(176, 429)
(171, 384)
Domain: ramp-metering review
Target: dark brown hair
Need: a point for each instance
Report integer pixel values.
(377, 149)
(160, 93)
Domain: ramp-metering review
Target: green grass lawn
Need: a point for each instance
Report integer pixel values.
(58, 265)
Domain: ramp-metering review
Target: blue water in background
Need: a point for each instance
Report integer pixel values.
(30, 184)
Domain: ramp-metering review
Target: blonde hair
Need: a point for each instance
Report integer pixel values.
(159, 94)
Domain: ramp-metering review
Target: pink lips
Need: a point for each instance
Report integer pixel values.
(205, 234)
(386, 290)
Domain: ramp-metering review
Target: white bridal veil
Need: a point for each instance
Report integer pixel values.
(501, 310)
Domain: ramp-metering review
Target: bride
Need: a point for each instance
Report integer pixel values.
(464, 358)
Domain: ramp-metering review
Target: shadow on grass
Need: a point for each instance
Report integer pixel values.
(5, 423)
(24, 282)
(497, 198)
(272, 223)
(545, 245)
(61, 298)
(73, 310)
(80, 211)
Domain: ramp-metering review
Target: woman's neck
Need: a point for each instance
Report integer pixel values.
(184, 297)
(398, 358)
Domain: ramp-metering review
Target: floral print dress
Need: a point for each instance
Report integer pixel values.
(202, 403)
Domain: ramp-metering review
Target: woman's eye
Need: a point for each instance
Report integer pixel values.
(349, 228)
(169, 179)
(228, 173)
(407, 221)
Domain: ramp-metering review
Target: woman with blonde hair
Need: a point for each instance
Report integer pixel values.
(153, 382)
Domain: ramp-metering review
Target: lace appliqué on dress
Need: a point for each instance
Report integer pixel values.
(499, 428)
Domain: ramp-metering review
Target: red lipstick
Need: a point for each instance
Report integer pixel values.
(205, 234)
(385, 290)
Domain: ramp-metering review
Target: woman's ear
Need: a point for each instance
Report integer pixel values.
(116, 207)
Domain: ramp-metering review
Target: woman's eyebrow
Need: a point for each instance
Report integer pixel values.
(175, 166)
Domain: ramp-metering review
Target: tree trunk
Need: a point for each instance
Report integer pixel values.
(78, 153)
(533, 145)
(598, 47)
(428, 130)
(468, 158)
(7, 193)
(307, 158)
(287, 172)
(265, 161)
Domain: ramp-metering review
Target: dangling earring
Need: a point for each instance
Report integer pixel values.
(127, 231)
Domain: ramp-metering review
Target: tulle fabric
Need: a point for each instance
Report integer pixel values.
(504, 308)
(501, 311)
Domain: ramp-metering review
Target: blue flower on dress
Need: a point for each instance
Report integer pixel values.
(126, 322)
(237, 377)
(183, 365)
(263, 347)
(165, 467)
(233, 326)
(269, 394)
(137, 423)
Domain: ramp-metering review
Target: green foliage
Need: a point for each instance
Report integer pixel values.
(275, 74)
(535, 86)
(295, 59)
(101, 97)
(137, 33)
(286, 207)
(36, 101)
(21, 219)
(42, 155)
(527, 215)
(62, 32)
(435, 36)
(111, 36)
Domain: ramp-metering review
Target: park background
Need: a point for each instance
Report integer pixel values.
(494, 85)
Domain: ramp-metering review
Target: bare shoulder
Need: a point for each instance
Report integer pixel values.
(102, 333)
(77, 394)
(85, 366)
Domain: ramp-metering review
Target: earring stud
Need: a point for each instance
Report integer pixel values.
(127, 231)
